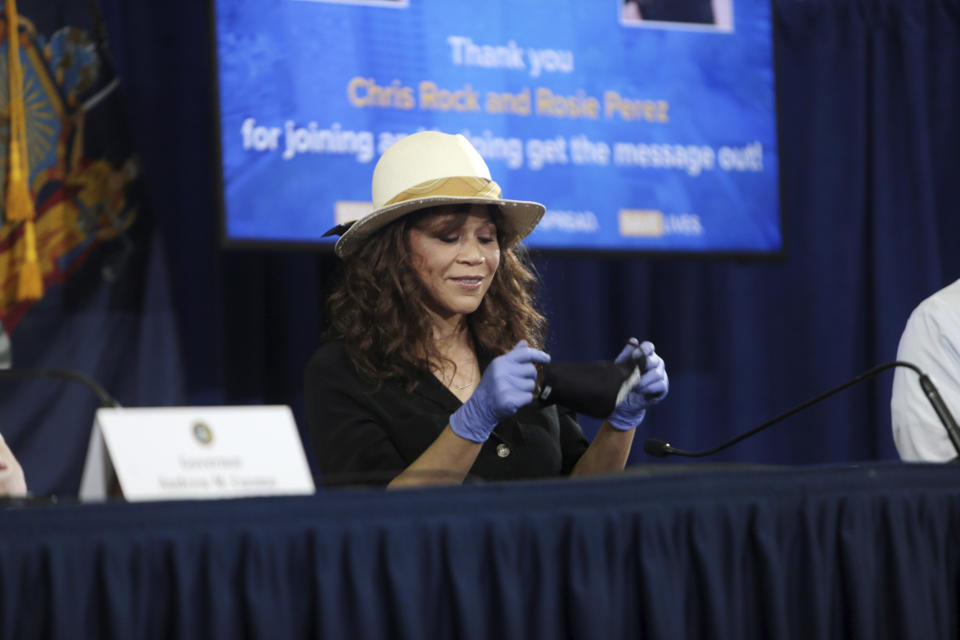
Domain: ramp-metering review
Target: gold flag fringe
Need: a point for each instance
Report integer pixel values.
(19, 203)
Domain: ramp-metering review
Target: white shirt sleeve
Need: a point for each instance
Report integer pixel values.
(931, 340)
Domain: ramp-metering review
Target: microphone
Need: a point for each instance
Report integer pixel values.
(662, 449)
(105, 399)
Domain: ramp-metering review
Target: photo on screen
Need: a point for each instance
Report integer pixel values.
(393, 4)
(682, 14)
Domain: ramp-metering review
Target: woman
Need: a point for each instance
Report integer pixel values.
(430, 371)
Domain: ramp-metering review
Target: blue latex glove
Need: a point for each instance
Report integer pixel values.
(508, 384)
(650, 389)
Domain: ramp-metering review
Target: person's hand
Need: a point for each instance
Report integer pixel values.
(650, 389)
(12, 482)
(508, 384)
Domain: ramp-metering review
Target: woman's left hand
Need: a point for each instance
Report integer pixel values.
(651, 388)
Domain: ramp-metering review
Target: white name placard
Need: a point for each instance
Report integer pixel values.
(173, 453)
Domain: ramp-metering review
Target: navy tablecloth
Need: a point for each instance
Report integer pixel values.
(811, 552)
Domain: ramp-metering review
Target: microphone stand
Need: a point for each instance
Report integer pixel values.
(106, 400)
(661, 448)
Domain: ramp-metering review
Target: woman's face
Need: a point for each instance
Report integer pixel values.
(455, 255)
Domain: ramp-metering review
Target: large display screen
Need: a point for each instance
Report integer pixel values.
(642, 125)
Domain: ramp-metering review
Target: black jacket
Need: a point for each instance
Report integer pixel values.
(360, 435)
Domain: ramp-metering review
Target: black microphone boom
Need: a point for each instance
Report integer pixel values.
(661, 448)
(105, 399)
(940, 407)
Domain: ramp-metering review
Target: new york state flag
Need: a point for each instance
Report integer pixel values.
(63, 150)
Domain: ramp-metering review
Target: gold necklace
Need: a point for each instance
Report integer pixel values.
(462, 387)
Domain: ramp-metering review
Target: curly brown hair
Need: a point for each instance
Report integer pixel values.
(377, 306)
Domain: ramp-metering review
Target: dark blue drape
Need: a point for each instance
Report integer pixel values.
(816, 552)
(870, 145)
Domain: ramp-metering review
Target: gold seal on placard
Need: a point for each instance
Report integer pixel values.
(202, 432)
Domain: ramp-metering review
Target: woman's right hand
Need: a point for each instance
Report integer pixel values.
(508, 384)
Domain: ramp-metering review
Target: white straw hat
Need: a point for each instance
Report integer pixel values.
(429, 169)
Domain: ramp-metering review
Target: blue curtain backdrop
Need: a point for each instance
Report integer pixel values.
(868, 99)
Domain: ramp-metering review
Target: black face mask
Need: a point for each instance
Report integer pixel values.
(590, 388)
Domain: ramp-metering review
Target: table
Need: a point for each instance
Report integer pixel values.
(663, 551)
